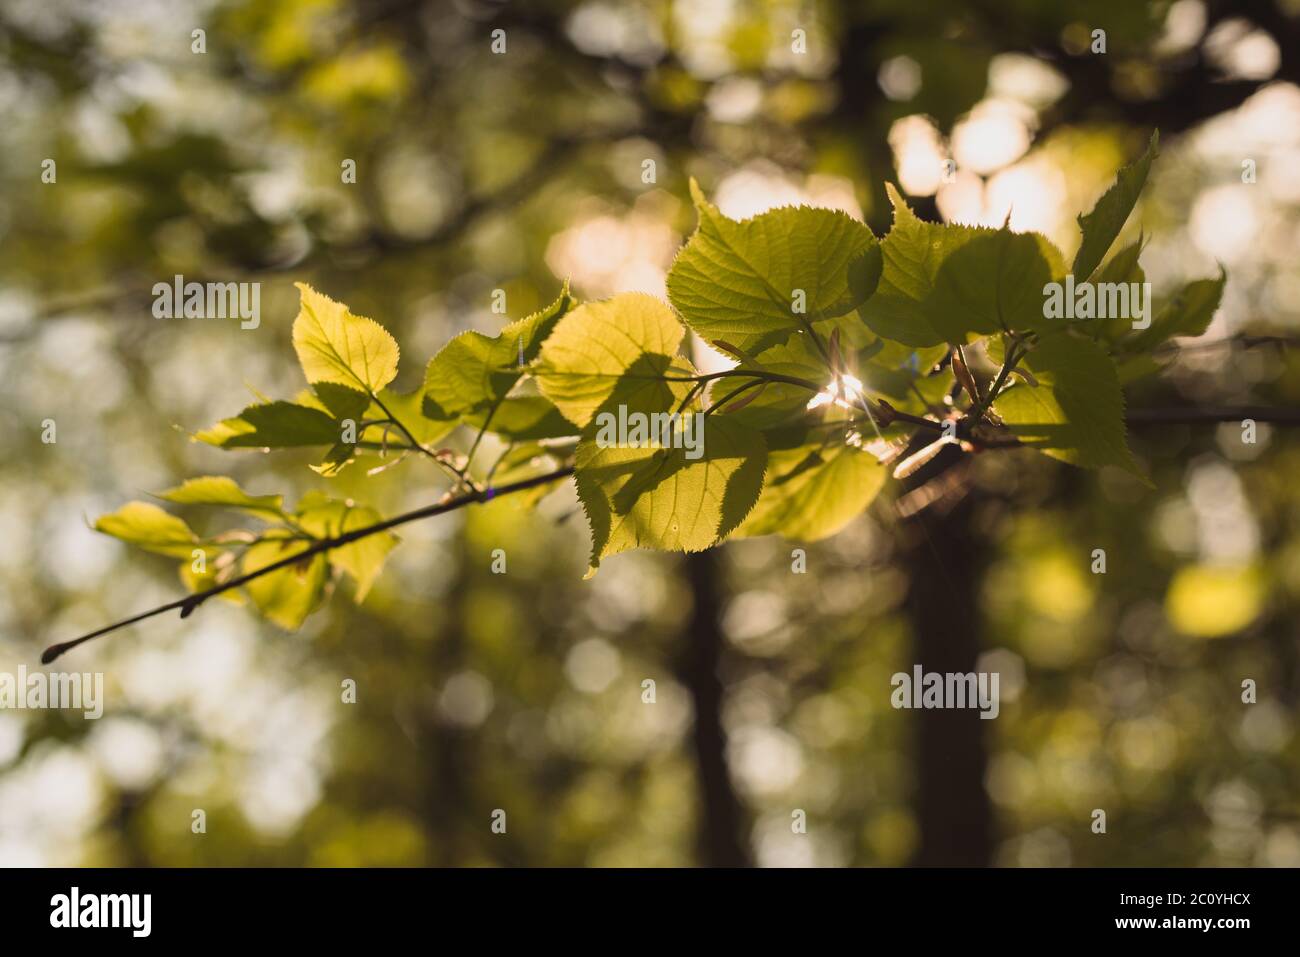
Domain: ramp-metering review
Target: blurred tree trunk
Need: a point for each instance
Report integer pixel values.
(722, 821)
(944, 563)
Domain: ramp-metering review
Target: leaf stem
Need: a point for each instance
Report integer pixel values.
(732, 394)
(826, 356)
(1013, 356)
(469, 456)
(416, 444)
(691, 394)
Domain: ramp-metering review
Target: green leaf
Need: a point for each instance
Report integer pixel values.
(336, 459)
(526, 459)
(1076, 412)
(619, 349)
(929, 398)
(317, 417)
(222, 491)
(362, 559)
(409, 408)
(1189, 313)
(954, 283)
(147, 526)
(778, 402)
(335, 346)
(523, 418)
(659, 498)
(427, 424)
(1101, 226)
(1123, 267)
(273, 425)
(467, 372)
(474, 371)
(195, 581)
(912, 253)
(289, 595)
(992, 283)
(340, 401)
(813, 492)
(737, 280)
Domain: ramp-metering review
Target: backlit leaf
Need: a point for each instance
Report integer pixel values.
(333, 345)
(659, 498)
(738, 280)
(1103, 224)
(474, 371)
(222, 491)
(1076, 412)
(273, 425)
(288, 595)
(625, 345)
(813, 492)
(362, 559)
(147, 526)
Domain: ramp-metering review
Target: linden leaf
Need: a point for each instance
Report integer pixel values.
(473, 371)
(522, 418)
(754, 282)
(992, 283)
(955, 283)
(1076, 412)
(1189, 313)
(147, 526)
(288, 595)
(333, 345)
(813, 492)
(362, 559)
(778, 403)
(624, 348)
(222, 491)
(411, 409)
(659, 498)
(1101, 226)
(273, 425)
(912, 254)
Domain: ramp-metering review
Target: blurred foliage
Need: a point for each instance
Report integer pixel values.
(478, 171)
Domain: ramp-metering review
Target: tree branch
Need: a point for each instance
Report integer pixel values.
(191, 602)
(376, 241)
(1185, 415)
(455, 474)
(1228, 342)
(1228, 413)
(888, 414)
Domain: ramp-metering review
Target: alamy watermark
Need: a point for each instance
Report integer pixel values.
(209, 300)
(1100, 300)
(133, 912)
(82, 691)
(655, 430)
(934, 689)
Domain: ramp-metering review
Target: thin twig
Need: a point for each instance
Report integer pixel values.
(452, 472)
(187, 605)
(1227, 413)
(191, 602)
(1228, 342)
(478, 439)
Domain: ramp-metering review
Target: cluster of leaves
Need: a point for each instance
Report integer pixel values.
(846, 350)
